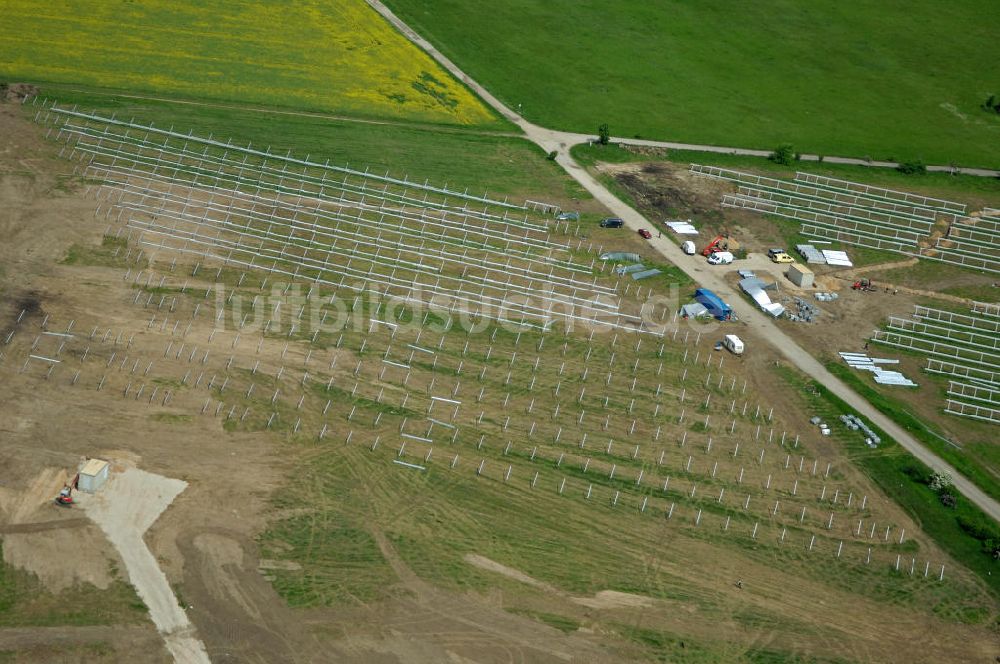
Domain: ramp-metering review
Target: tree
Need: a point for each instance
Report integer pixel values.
(784, 154)
(914, 167)
(940, 481)
(991, 105)
(603, 134)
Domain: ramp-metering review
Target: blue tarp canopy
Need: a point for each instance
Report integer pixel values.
(713, 303)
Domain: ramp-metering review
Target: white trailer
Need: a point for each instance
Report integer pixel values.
(734, 344)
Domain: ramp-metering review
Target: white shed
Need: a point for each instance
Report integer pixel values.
(800, 275)
(93, 475)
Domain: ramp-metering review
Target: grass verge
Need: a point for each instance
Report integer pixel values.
(500, 165)
(903, 478)
(24, 602)
(898, 413)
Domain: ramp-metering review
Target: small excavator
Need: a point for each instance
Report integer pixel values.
(722, 242)
(65, 497)
(865, 285)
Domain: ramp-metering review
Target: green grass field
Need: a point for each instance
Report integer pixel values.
(497, 163)
(886, 80)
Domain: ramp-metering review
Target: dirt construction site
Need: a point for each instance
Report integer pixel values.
(663, 188)
(309, 462)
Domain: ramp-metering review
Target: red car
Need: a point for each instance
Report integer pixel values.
(645, 234)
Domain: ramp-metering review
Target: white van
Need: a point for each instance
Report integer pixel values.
(688, 247)
(734, 344)
(721, 258)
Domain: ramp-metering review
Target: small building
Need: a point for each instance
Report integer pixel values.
(93, 475)
(800, 275)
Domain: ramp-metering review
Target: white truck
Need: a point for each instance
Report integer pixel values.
(734, 344)
(721, 258)
(688, 248)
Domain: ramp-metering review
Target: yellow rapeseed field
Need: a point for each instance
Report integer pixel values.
(337, 56)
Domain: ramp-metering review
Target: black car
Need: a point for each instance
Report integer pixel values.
(612, 222)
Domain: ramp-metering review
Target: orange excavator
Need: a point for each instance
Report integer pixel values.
(720, 243)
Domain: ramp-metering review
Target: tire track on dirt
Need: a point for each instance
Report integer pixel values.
(23, 638)
(483, 627)
(235, 606)
(42, 526)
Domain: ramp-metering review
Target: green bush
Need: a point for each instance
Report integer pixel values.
(784, 154)
(977, 528)
(916, 472)
(915, 167)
